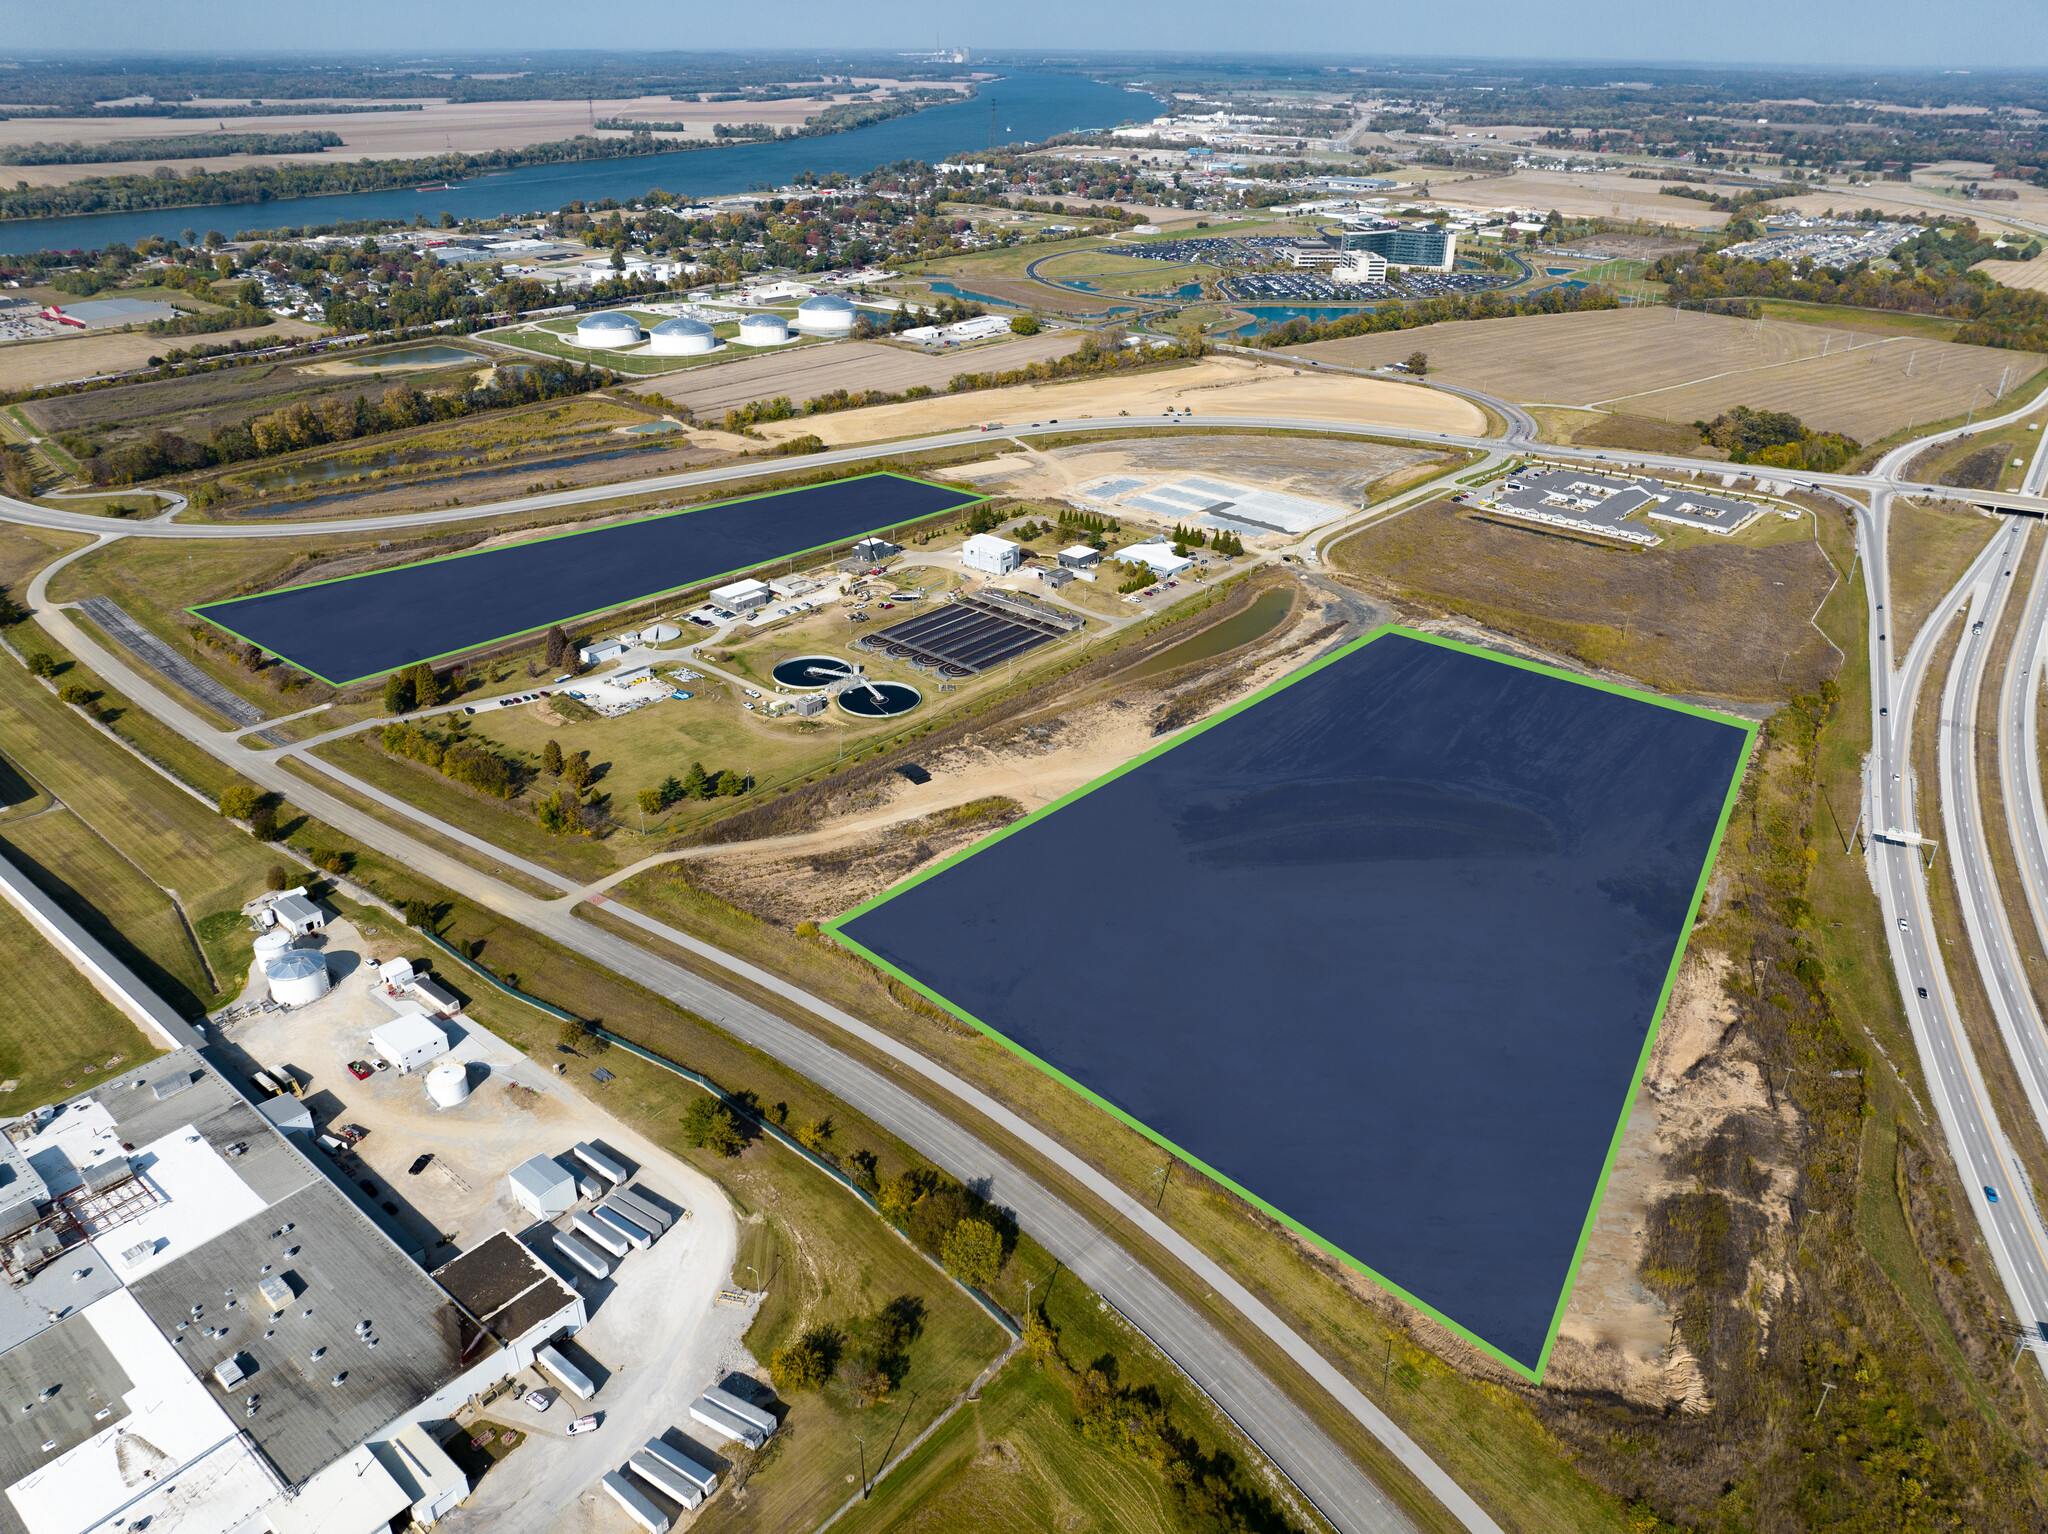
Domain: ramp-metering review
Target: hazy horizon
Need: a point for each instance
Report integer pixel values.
(2001, 36)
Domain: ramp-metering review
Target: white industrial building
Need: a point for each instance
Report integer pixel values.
(1158, 556)
(991, 555)
(409, 1041)
(763, 330)
(610, 328)
(743, 596)
(543, 1187)
(229, 1342)
(603, 650)
(829, 314)
(295, 914)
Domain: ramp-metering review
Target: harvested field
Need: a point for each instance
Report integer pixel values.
(34, 364)
(852, 365)
(1597, 194)
(1682, 366)
(2031, 275)
(1725, 621)
(1638, 247)
(468, 127)
(1212, 386)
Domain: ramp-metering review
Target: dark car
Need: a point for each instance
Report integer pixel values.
(1923, 992)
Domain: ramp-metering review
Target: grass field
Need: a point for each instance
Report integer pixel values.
(166, 839)
(639, 363)
(1722, 618)
(53, 1024)
(1112, 274)
(1682, 366)
(1930, 548)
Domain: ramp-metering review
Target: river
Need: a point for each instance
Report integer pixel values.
(1027, 108)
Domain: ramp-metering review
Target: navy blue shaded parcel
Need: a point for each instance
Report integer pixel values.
(1383, 949)
(345, 630)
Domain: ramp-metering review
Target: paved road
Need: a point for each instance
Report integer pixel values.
(1339, 1488)
(2012, 1227)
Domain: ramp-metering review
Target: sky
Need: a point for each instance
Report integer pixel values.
(1985, 33)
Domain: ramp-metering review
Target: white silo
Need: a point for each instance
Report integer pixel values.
(682, 337)
(829, 314)
(448, 1083)
(297, 976)
(763, 330)
(270, 945)
(660, 633)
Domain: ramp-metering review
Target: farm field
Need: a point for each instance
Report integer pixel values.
(1611, 195)
(53, 1025)
(1211, 386)
(1682, 366)
(2030, 275)
(855, 366)
(34, 364)
(467, 127)
(1702, 620)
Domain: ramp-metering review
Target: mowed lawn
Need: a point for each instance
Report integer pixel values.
(1679, 365)
(53, 1025)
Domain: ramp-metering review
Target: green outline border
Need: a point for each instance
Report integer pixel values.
(207, 611)
(1533, 1375)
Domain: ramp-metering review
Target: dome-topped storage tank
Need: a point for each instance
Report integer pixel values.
(682, 336)
(829, 314)
(660, 633)
(763, 330)
(297, 976)
(448, 1083)
(609, 328)
(270, 944)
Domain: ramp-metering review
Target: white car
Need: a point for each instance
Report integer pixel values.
(539, 1400)
(583, 1425)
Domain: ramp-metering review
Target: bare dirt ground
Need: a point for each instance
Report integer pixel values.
(1683, 366)
(469, 127)
(32, 364)
(850, 365)
(1340, 472)
(1616, 1334)
(1595, 194)
(1212, 386)
(1639, 247)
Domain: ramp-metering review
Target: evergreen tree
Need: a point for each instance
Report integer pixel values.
(426, 687)
(551, 758)
(558, 645)
(398, 693)
(698, 784)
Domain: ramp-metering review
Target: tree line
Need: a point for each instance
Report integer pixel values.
(190, 146)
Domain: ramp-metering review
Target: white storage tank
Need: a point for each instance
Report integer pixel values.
(660, 633)
(270, 945)
(448, 1083)
(682, 337)
(610, 328)
(829, 314)
(297, 976)
(763, 330)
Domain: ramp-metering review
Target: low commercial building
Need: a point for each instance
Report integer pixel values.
(1603, 503)
(603, 650)
(991, 555)
(1079, 558)
(1159, 557)
(543, 1187)
(743, 596)
(872, 551)
(409, 1041)
(296, 914)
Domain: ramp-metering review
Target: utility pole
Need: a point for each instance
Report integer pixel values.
(864, 1464)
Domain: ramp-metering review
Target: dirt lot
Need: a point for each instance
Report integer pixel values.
(32, 364)
(1637, 247)
(1213, 386)
(1721, 621)
(1682, 366)
(852, 365)
(1332, 471)
(469, 127)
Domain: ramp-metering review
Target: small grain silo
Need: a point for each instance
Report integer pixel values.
(297, 977)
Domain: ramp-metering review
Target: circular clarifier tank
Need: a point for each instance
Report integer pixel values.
(811, 671)
(880, 700)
